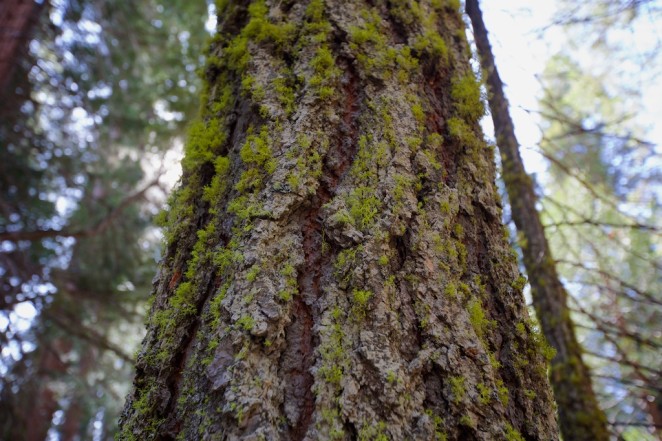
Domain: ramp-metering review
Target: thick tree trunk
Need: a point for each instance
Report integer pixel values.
(580, 416)
(336, 265)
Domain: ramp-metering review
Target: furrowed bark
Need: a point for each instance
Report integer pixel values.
(336, 266)
(580, 417)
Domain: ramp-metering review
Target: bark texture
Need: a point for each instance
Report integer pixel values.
(336, 266)
(580, 416)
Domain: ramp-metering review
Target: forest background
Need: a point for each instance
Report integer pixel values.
(96, 96)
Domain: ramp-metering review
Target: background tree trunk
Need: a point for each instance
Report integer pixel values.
(580, 416)
(336, 266)
(17, 19)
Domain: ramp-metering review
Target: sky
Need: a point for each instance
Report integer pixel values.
(520, 56)
(522, 51)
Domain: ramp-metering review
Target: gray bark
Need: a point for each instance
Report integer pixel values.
(336, 265)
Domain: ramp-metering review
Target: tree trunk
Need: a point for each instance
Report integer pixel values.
(336, 266)
(17, 19)
(580, 416)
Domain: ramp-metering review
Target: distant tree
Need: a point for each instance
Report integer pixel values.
(607, 235)
(336, 266)
(580, 417)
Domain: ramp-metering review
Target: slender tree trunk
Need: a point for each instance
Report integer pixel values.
(580, 416)
(336, 265)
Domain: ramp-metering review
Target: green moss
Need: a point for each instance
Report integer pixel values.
(512, 434)
(484, 393)
(323, 64)
(437, 423)
(370, 31)
(285, 94)
(519, 283)
(521, 329)
(315, 11)
(383, 260)
(346, 259)
(373, 432)
(260, 29)
(246, 322)
(419, 114)
(250, 88)
(333, 354)
(361, 297)
(478, 318)
(377, 57)
(502, 392)
(432, 43)
(494, 362)
(364, 206)
(466, 420)
(290, 289)
(218, 186)
(544, 348)
(437, 5)
(182, 301)
(454, 5)
(252, 273)
(257, 150)
(237, 54)
(457, 388)
(450, 290)
(462, 132)
(465, 92)
(202, 141)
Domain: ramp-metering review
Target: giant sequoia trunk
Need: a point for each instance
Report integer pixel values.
(336, 267)
(581, 419)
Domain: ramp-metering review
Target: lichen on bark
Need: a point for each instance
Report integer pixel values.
(336, 266)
